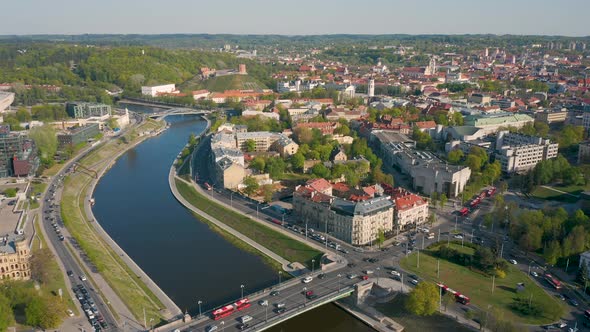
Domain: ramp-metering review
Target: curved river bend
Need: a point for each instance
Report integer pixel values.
(183, 256)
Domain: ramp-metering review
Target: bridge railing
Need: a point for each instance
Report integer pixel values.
(302, 307)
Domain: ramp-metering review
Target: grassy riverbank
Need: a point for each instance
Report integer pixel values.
(118, 275)
(283, 245)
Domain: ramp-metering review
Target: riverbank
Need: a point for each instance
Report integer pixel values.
(126, 279)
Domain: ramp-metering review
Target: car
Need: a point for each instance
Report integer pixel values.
(61, 237)
(70, 273)
(395, 274)
(413, 281)
(513, 261)
(365, 277)
(561, 324)
(70, 313)
(534, 274)
(307, 280)
(275, 293)
(83, 277)
(560, 296)
(351, 265)
(245, 319)
(321, 276)
(310, 295)
(458, 236)
(243, 326)
(263, 302)
(280, 310)
(368, 272)
(359, 250)
(280, 305)
(351, 276)
(373, 260)
(104, 324)
(211, 328)
(574, 302)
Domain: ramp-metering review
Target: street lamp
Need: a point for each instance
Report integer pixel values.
(242, 289)
(339, 276)
(199, 303)
(305, 296)
(280, 273)
(312, 265)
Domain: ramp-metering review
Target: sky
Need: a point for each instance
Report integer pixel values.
(299, 17)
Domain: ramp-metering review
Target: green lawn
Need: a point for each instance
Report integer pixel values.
(295, 177)
(549, 194)
(412, 323)
(120, 277)
(478, 287)
(283, 245)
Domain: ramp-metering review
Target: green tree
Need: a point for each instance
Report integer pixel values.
(380, 237)
(455, 156)
(44, 312)
(320, 171)
(552, 252)
(40, 269)
(443, 200)
(582, 275)
(250, 145)
(192, 140)
(457, 119)
(251, 185)
(10, 192)
(6, 315)
(275, 167)
(267, 191)
(258, 164)
(423, 299)
(297, 161)
(473, 162)
(23, 115)
(46, 140)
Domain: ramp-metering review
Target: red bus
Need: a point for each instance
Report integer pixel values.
(230, 308)
(242, 304)
(552, 281)
(482, 195)
(491, 192)
(464, 211)
(223, 312)
(458, 296)
(475, 202)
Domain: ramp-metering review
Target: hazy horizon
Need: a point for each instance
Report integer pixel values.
(264, 17)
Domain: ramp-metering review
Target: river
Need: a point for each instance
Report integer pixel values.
(187, 260)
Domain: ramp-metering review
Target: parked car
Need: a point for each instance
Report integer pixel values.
(534, 274)
(513, 261)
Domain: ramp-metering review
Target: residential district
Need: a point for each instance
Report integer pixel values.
(363, 154)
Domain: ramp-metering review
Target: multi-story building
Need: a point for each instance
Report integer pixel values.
(357, 223)
(548, 116)
(77, 135)
(327, 128)
(584, 152)
(519, 153)
(492, 122)
(18, 154)
(428, 173)
(285, 146)
(229, 173)
(83, 110)
(263, 139)
(157, 89)
(410, 209)
(14, 258)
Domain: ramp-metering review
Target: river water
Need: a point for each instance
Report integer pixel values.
(182, 255)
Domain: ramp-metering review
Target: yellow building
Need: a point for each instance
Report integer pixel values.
(14, 258)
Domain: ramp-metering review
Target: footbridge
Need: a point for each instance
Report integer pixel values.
(178, 111)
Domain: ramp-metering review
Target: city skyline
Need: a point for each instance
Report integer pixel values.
(525, 17)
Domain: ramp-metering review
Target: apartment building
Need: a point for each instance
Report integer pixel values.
(548, 116)
(410, 210)
(520, 153)
(77, 135)
(83, 110)
(357, 223)
(18, 154)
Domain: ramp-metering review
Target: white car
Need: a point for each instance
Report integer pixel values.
(395, 274)
(534, 274)
(307, 280)
(70, 313)
(512, 261)
(83, 277)
(458, 236)
(263, 302)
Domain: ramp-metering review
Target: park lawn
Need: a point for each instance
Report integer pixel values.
(283, 245)
(478, 286)
(295, 177)
(120, 277)
(55, 274)
(462, 249)
(396, 310)
(51, 171)
(549, 194)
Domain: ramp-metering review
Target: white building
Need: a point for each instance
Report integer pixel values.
(371, 88)
(6, 99)
(410, 210)
(519, 153)
(157, 89)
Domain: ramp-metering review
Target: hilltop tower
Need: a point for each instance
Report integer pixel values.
(371, 88)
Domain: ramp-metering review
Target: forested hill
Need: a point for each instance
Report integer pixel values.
(101, 68)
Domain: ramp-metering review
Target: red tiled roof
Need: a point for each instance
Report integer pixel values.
(425, 124)
(319, 184)
(408, 201)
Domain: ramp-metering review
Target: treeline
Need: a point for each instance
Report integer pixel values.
(552, 171)
(83, 73)
(483, 258)
(553, 233)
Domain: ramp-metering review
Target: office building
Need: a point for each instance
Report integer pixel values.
(82, 110)
(77, 135)
(520, 153)
(493, 122)
(551, 116)
(18, 154)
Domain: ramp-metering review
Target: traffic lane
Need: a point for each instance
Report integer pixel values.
(292, 297)
(67, 259)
